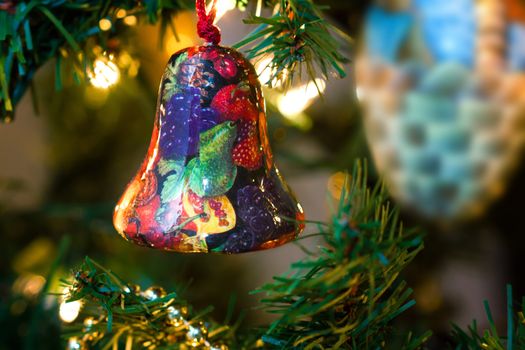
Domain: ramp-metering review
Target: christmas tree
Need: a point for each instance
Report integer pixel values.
(357, 277)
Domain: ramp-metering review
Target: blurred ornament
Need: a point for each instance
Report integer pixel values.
(218, 347)
(208, 182)
(154, 292)
(445, 133)
(196, 335)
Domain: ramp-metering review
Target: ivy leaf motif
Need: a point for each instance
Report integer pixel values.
(173, 185)
(213, 172)
(172, 188)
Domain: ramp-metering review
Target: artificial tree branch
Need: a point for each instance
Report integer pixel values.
(344, 295)
(35, 31)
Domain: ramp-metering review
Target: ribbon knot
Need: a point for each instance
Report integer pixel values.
(205, 27)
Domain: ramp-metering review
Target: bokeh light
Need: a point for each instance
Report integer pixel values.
(296, 100)
(104, 74)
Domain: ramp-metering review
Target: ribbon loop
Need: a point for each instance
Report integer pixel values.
(205, 27)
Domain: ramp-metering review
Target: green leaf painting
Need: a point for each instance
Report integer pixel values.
(213, 172)
(171, 86)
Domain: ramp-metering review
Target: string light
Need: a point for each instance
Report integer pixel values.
(104, 24)
(296, 100)
(121, 13)
(69, 311)
(104, 74)
(130, 20)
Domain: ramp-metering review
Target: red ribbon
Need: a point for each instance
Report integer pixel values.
(205, 27)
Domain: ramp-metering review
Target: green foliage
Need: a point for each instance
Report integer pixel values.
(298, 38)
(345, 295)
(120, 313)
(473, 339)
(35, 31)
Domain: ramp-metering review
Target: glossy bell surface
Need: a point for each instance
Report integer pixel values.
(208, 182)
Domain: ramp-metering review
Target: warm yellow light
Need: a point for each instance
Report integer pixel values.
(104, 24)
(265, 72)
(263, 69)
(296, 100)
(29, 284)
(104, 74)
(68, 312)
(359, 93)
(174, 45)
(130, 20)
(121, 13)
(224, 6)
(74, 344)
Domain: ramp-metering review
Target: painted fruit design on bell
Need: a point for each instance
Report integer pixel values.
(212, 215)
(203, 186)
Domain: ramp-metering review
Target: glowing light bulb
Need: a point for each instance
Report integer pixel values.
(222, 7)
(296, 100)
(130, 20)
(121, 13)
(68, 312)
(104, 74)
(104, 24)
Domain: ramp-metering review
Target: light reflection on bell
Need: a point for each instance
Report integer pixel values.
(208, 182)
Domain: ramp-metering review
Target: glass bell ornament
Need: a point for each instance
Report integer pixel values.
(208, 182)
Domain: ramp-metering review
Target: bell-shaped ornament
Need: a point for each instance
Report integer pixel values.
(208, 182)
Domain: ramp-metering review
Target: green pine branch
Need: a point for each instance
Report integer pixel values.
(116, 313)
(298, 39)
(35, 31)
(474, 338)
(344, 295)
